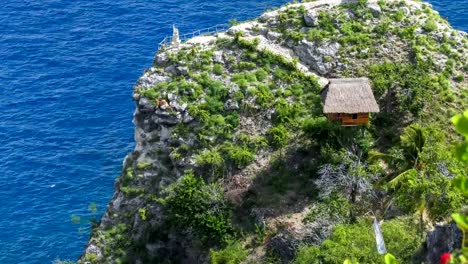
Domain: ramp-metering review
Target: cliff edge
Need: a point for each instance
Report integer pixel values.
(235, 162)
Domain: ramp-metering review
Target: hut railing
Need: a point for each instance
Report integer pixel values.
(166, 42)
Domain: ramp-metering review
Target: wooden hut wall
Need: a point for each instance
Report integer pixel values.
(350, 119)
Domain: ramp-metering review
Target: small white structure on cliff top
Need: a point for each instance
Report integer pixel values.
(175, 37)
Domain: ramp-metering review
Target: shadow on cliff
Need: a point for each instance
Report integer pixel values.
(284, 187)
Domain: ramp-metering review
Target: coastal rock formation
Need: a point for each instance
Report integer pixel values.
(230, 135)
(316, 56)
(444, 238)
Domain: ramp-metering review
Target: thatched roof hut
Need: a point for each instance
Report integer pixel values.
(349, 96)
(349, 100)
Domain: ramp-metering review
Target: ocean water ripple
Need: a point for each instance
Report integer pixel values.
(66, 76)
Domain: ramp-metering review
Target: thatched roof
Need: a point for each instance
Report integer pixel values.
(349, 96)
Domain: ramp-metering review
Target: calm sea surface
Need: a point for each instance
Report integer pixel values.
(67, 69)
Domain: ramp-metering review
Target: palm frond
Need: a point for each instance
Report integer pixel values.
(374, 155)
(402, 178)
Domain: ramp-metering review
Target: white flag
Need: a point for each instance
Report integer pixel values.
(379, 238)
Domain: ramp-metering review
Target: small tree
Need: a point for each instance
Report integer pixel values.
(350, 179)
(193, 204)
(424, 168)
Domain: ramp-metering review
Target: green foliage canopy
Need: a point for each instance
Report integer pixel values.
(357, 243)
(193, 204)
(233, 253)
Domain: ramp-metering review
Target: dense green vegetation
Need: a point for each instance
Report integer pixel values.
(259, 141)
(234, 253)
(356, 242)
(193, 204)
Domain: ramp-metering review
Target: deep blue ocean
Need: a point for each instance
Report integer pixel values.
(67, 69)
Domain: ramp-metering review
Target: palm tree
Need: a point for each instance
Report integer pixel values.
(413, 141)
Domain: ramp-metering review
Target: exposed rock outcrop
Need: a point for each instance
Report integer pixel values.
(443, 239)
(318, 57)
(236, 109)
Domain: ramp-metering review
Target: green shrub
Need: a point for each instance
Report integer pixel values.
(351, 27)
(129, 191)
(243, 83)
(267, 57)
(446, 49)
(327, 58)
(206, 56)
(243, 79)
(295, 35)
(233, 119)
(197, 111)
(449, 67)
(181, 130)
(251, 54)
(334, 208)
(150, 94)
(297, 89)
(233, 253)
(254, 143)
(264, 95)
(238, 95)
(251, 77)
(407, 33)
(214, 88)
(127, 177)
(213, 105)
(191, 203)
(308, 255)
(91, 257)
(244, 43)
(357, 243)
(240, 155)
(117, 241)
(382, 4)
(193, 89)
(399, 15)
(317, 35)
(143, 165)
(210, 157)
(261, 74)
(279, 136)
(430, 25)
(217, 125)
(425, 166)
(245, 65)
(218, 69)
(143, 213)
(360, 40)
(318, 128)
(415, 78)
(286, 112)
(459, 78)
(233, 22)
(326, 22)
(282, 75)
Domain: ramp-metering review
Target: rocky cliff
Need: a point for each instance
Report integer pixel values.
(233, 153)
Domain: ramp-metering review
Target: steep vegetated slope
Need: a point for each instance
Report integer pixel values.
(235, 162)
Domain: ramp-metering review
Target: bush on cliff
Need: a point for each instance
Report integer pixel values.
(233, 253)
(357, 243)
(193, 204)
